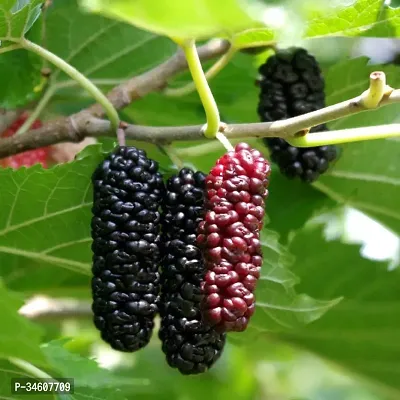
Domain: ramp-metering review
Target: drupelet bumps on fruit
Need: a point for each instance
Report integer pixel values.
(190, 345)
(230, 236)
(292, 84)
(128, 191)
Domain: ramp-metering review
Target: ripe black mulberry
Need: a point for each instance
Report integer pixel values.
(230, 236)
(126, 226)
(190, 345)
(292, 84)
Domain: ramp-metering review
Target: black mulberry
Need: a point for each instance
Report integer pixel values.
(189, 344)
(126, 225)
(292, 84)
(236, 189)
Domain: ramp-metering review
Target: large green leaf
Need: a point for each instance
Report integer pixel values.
(361, 18)
(86, 372)
(362, 332)
(366, 175)
(87, 393)
(17, 17)
(20, 73)
(19, 337)
(45, 223)
(278, 306)
(180, 18)
(289, 213)
(256, 37)
(8, 372)
(106, 51)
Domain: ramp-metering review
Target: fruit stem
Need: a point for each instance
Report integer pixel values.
(37, 111)
(201, 84)
(224, 141)
(209, 74)
(346, 136)
(203, 148)
(78, 77)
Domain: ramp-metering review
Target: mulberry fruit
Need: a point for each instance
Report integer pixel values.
(27, 158)
(189, 343)
(292, 84)
(230, 236)
(126, 227)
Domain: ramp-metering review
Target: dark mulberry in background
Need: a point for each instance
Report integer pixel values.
(230, 236)
(128, 192)
(292, 84)
(189, 344)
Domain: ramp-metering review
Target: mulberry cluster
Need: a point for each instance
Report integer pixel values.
(126, 225)
(27, 158)
(189, 344)
(292, 84)
(229, 235)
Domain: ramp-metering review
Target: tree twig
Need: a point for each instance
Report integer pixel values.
(87, 122)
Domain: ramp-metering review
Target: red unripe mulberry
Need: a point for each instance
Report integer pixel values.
(236, 189)
(27, 158)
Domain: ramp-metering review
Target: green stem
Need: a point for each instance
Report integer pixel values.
(77, 76)
(346, 136)
(37, 111)
(224, 141)
(209, 74)
(203, 148)
(200, 81)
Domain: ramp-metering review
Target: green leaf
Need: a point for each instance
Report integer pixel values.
(278, 305)
(362, 18)
(395, 4)
(106, 51)
(156, 110)
(86, 372)
(20, 74)
(256, 37)
(238, 78)
(45, 221)
(365, 176)
(87, 393)
(362, 332)
(17, 17)
(181, 18)
(19, 337)
(290, 213)
(9, 371)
